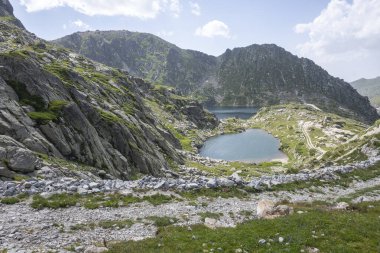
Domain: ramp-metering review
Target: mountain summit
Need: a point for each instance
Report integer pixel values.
(257, 75)
(6, 13)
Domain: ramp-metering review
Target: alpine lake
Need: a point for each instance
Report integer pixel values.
(251, 146)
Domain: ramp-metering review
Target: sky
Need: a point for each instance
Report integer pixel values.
(342, 36)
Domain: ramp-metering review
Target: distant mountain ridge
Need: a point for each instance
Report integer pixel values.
(369, 88)
(144, 55)
(257, 75)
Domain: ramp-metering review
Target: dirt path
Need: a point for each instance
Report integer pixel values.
(308, 140)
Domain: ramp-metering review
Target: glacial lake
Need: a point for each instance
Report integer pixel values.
(223, 112)
(253, 145)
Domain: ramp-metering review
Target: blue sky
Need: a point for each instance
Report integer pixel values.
(317, 29)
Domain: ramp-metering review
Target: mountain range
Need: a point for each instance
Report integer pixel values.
(369, 88)
(257, 75)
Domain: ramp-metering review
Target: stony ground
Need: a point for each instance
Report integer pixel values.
(24, 229)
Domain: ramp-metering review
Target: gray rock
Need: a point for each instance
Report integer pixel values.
(262, 241)
(94, 249)
(22, 160)
(212, 183)
(224, 182)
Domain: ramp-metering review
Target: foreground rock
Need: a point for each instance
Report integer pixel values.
(266, 209)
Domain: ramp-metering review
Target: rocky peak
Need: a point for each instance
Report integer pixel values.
(5, 8)
(6, 14)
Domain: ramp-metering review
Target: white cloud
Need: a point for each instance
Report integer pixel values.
(345, 31)
(165, 33)
(76, 25)
(80, 24)
(143, 9)
(195, 8)
(212, 29)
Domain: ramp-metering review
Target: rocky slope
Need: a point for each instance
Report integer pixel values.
(369, 88)
(144, 55)
(257, 75)
(57, 104)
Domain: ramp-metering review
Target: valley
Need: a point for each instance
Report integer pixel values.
(106, 145)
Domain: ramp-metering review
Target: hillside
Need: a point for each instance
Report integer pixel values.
(369, 88)
(144, 55)
(257, 75)
(95, 159)
(60, 106)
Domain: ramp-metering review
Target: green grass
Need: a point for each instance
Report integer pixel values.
(57, 105)
(109, 116)
(55, 201)
(42, 116)
(184, 140)
(9, 201)
(14, 200)
(247, 169)
(163, 221)
(105, 224)
(210, 215)
(158, 199)
(94, 201)
(52, 113)
(225, 192)
(351, 231)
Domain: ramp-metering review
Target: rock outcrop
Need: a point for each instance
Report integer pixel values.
(56, 103)
(257, 75)
(6, 13)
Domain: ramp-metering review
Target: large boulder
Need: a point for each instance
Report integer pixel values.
(22, 160)
(14, 156)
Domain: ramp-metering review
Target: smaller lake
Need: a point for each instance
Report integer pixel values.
(224, 112)
(253, 145)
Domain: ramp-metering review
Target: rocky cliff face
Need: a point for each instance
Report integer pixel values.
(55, 103)
(267, 74)
(257, 75)
(6, 13)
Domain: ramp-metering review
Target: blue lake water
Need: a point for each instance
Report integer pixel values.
(223, 112)
(253, 145)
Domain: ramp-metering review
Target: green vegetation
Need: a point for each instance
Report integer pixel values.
(55, 201)
(14, 200)
(94, 201)
(25, 97)
(184, 140)
(283, 121)
(247, 169)
(9, 200)
(42, 114)
(61, 69)
(163, 221)
(42, 117)
(7, 18)
(344, 181)
(109, 116)
(105, 224)
(227, 192)
(210, 215)
(51, 114)
(353, 231)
